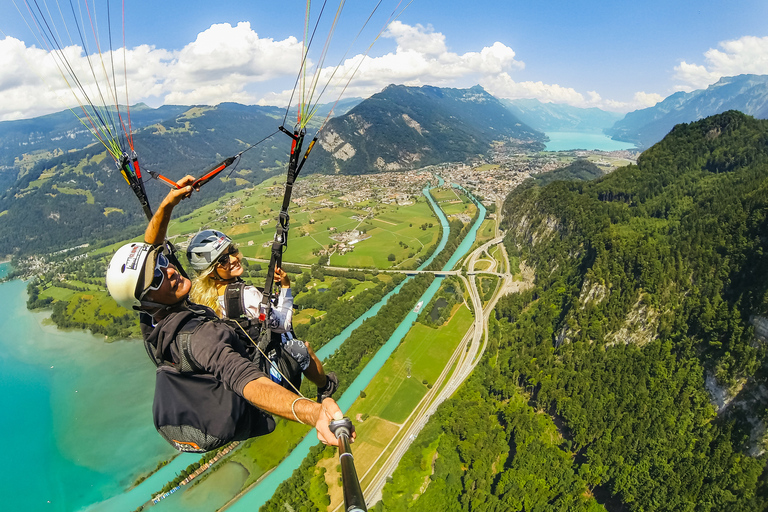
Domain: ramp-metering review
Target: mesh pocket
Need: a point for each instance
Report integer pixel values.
(190, 439)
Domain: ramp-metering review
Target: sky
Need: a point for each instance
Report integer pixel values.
(619, 56)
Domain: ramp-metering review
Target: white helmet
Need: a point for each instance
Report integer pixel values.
(206, 248)
(130, 273)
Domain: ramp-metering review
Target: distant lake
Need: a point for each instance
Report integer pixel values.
(564, 141)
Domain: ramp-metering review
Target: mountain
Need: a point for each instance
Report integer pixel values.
(62, 131)
(650, 301)
(407, 127)
(64, 199)
(554, 117)
(745, 93)
(578, 170)
(59, 188)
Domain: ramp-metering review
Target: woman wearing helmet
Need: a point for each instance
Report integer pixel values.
(216, 262)
(218, 285)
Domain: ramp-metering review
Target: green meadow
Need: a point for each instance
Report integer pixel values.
(496, 253)
(486, 232)
(260, 454)
(401, 231)
(392, 394)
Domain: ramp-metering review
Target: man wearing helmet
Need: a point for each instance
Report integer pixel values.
(141, 277)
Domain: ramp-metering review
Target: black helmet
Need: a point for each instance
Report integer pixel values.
(206, 247)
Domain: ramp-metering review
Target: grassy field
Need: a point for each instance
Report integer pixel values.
(487, 231)
(251, 224)
(495, 251)
(76, 192)
(396, 231)
(466, 207)
(391, 395)
(306, 315)
(423, 353)
(486, 285)
(260, 454)
(445, 194)
(483, 264)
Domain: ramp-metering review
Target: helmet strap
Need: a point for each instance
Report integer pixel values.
(216, 277)
(155, 309)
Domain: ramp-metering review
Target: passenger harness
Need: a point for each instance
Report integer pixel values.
(280, 364)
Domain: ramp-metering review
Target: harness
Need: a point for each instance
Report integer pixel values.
(192, 410)
(280, 363)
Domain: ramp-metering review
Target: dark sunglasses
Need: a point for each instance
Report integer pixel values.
(157, 281)
(224, 258)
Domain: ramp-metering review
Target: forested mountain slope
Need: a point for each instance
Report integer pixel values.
(63, 131)
(56, 193)
(79, 196)
(646, 281)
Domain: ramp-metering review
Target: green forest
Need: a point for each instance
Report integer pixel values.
(646, 281)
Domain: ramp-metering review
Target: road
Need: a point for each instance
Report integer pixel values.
(466, 356)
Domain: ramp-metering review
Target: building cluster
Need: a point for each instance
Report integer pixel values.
(388, 188)
(199, 471)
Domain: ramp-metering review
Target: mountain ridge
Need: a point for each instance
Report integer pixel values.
(57, 198)
(558, 117)
(645, 127)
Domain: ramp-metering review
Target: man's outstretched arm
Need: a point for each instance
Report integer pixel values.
(275, 399)
(158, 224)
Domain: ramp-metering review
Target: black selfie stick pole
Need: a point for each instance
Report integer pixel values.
(353, 495)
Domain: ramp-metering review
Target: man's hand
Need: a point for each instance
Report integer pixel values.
(184, 190)
(330, 411)
(158, 224)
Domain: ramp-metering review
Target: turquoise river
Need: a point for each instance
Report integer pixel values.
(78, 410)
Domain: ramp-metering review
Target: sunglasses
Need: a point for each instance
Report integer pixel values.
(224, 258)
(157, 281)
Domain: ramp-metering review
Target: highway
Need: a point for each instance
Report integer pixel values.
(465, 358)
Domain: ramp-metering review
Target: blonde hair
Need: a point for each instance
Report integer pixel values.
(204, 290)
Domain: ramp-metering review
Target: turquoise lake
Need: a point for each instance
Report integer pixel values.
(565, 141)
(75, 412)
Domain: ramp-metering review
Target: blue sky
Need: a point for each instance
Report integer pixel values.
(613, 55)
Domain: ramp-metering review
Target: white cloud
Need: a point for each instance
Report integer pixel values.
(223, 52)
(31, 81)
(644, 100)
(421, 58)
(503, 86)
(218, 66)
(748, 54)
(234, 63)
(418, 38)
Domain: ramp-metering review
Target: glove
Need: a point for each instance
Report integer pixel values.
(331, 384)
